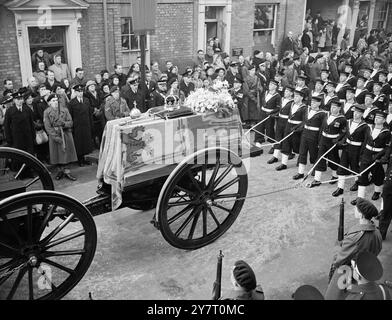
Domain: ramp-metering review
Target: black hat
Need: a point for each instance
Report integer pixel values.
(368, 266)
(19, 94)
(114, 88)
(28, 94)
(209, 67)
(351, 89)
(163, 78)
(317, 98)
(79, 69)
(251, 66)
(303, 77)
(383, 71)
(219, 69)
(368, 93)
(244, 275)
(380, 113)
(188, 72)
(307, 292)
(331, 83)
(5, 99)
(325, 70)
(344, 72)
(367, 208)
(300, 92)
(234, 64)
(51, 96)
(236, 80)
(58, 85)
(256, 52)
(292, 89)
(352, 48)
(318, 80)
(133, 80)
(336, 102)
(360, 108)
(376, 82)
(274, 82)
(360, 76)
(78, 87)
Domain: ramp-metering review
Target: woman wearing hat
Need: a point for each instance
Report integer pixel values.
(252, 90)
(364, 236)
(115, 106)
(244, 283)
(95, 99)
(58, 124)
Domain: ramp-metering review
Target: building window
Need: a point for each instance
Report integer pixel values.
(264, 28)
(380, 16)
(129, 41)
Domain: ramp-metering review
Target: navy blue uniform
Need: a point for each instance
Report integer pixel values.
(330, 134)
(270, 105)
(294, 122)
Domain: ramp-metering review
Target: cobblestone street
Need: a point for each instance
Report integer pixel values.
(287, 237)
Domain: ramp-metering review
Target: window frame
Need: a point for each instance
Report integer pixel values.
(273, 33)
(129, 35)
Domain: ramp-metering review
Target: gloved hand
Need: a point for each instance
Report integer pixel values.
(58, 139)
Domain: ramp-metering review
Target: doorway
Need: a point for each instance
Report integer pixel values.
(52, 41)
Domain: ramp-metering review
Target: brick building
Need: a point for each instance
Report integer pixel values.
(96, 34)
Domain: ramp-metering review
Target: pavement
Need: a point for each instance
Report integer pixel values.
(288, 238)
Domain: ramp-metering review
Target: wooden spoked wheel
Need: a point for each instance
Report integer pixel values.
(47, 243)
(201, 198)
(20, 172)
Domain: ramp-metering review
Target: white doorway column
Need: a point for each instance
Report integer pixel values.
(43, 14)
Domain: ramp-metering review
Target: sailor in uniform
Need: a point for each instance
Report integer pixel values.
(330, 96)
(270, 105)
(297, 116)
(352, 146)
(281, 122)
(370, 110)
(351, 79)
(310, 136)
(318, 91)
(360, 90)
(380, 99)
(376, 143)
(301, 85)
(368, 80)
(376, 68)
(324, 75)
(333, 129)
(348, 106)
(385, 86)
(341, 87)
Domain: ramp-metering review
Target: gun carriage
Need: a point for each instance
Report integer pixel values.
(49, 238)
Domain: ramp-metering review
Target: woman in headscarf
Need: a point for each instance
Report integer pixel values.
(58, 124)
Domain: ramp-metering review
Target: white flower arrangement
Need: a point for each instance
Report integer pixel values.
(215, 99)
